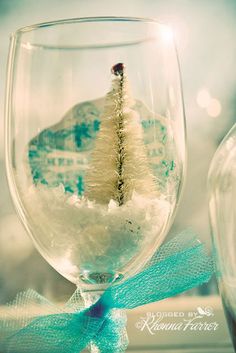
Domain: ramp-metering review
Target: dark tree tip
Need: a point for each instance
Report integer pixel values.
(118, 69)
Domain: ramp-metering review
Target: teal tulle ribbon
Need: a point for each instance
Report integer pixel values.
(179, 265)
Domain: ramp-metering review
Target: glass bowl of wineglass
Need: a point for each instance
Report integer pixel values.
(95, 143)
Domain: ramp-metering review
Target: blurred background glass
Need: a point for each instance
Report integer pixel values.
(205, 33)
(222, 195)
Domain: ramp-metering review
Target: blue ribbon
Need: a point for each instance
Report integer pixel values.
(177, 266)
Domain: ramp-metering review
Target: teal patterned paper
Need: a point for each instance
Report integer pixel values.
(53, 156)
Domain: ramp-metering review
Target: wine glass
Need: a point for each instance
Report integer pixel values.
(95, 143)
(222, 194)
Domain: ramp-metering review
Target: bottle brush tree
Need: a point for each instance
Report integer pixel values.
(119, 163)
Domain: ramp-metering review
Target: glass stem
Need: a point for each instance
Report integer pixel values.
(117, 341)
(90, 297)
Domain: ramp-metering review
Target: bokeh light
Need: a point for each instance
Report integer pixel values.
(214, 108)
(167, 34)
(203, 98)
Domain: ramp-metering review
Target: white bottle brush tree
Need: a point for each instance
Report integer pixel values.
(119, 164)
